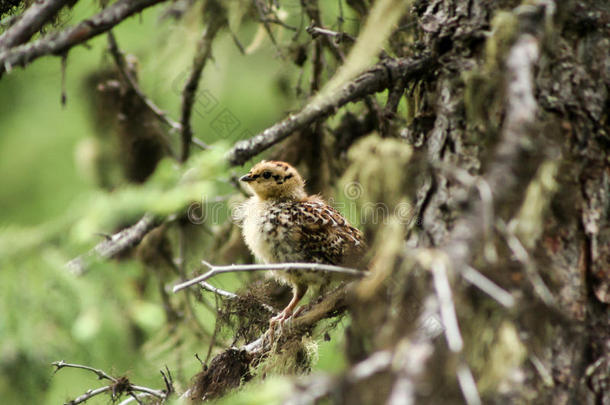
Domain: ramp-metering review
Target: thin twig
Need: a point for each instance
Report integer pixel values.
(545, 374)
(124, 71)
(262, 10)
(496, 292)
(376, 79)
(339, 36)
(520, 252)
(312, 9)
(214, 270)
(133, 397)
(204, 50)
(168, 379)
(215, 333)
(467, 384)
(277, 21)
(215, 290)
(452, 330)
(150, 391)
(60, 42)
(103, 375)
(231, 296)
(447, 307)
(90, 394)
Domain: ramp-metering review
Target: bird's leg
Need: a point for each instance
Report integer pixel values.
(297, 294)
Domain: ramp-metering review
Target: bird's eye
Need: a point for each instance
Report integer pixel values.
(267, 175)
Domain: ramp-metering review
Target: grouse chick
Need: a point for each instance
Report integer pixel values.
(282, 224)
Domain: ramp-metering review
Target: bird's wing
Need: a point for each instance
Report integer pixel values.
(326, 235)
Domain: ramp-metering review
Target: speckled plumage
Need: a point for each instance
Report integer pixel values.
(282, 224)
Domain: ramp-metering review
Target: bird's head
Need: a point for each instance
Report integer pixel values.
(274, 180)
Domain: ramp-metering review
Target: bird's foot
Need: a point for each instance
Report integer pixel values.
(278, 321)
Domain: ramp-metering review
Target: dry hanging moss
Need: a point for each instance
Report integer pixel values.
(226, 371)
(250, 312)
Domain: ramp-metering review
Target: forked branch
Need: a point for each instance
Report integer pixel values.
(214, 270)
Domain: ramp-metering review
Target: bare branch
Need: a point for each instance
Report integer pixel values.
(101, 374)
(133, 398)
(115, 244)
(467, 384)
(215, 290)
(31, 21)
(262, 9)
(376, 79)
(118, 386)
(120, 62)
(61, 42)
(339, 36)
(447, 307)
(149, 391)
(89, 394)
(215, 21)
(487, 286)
(455, 341)
(312, 9)
(521, 254)
(214, 270)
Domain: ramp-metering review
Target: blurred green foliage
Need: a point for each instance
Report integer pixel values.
(51, 208)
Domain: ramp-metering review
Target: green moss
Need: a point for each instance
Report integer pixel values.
(537, 199)
(296, 356)
(377, 171)
(503, 30)
(493, 347)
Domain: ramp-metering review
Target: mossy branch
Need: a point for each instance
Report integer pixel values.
(31, 21)
(60, 42)
(376, 79)
(115, 244)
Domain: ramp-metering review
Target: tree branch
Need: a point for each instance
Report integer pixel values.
(61, 42)
(31, 21)
(115, 244)
(376, 79)
(215, 21)
(101, 374)
(240, 358)
(214, 270)
(118, 387)
(119, 60)
(124, 71)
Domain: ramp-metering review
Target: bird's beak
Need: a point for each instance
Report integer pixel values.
(246, 178)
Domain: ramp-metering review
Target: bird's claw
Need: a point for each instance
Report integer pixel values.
(278, 321)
